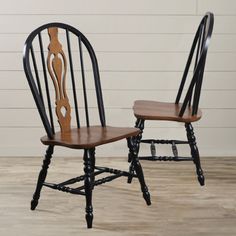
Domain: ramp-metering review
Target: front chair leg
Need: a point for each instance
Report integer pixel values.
(89, 160)
(140, 125)
(195, 153)
(132, 144)
(92, 153)
(42, 176)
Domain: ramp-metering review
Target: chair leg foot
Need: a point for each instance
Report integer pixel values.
(129, 180)
(89, 218)
(89, 162)
(147, 198)
(199, 171)
(42, 176)
(34, 204)
(144, 188)
(201, 180)
(195, 153)
(135, 164)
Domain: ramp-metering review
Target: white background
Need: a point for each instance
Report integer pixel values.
(142, 46)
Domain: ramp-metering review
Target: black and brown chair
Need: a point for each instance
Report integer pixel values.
(186, 111)
(47, 70)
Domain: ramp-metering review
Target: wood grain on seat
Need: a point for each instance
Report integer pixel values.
(153, 110)
(89, 137)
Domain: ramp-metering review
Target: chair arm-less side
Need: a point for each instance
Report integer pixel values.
(186, 111)
(62, 80)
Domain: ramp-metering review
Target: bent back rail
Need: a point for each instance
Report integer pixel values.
(200, 48)
(58, 68)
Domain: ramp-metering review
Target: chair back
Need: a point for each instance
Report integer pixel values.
(199, 49)
(59, 63)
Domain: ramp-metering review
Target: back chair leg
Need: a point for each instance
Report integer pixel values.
(42, 176)
(195, 153)
(89, 161)
(133, 147)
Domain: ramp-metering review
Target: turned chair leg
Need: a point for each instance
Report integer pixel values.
(89, 161)
(42, 176)
(92, 153)
(195, 153)
(140, 125)
(132, 144)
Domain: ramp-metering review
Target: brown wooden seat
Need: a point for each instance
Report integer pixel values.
(89, 137)
(58, 79)
(186, 111)
(153, 110)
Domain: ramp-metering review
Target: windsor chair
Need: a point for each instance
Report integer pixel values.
(186, 111)
(54, 83)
